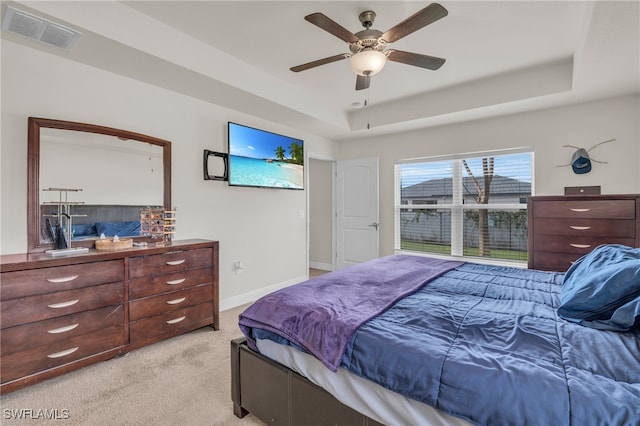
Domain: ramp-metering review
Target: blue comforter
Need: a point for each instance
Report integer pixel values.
(320, 316)
(486, 344)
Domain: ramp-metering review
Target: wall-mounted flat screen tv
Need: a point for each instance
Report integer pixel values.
(264, 159)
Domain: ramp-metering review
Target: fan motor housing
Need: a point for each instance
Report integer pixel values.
(369, 39)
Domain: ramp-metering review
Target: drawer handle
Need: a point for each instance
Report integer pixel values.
(580, 245)
(63, 353)
(174, 282)
(176, 301)
(580, 228)
(175, 321)
(63, 329)
(64, 304)
(580, 210)
(62, 279)
(175, 262)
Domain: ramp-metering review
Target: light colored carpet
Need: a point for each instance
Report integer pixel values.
(185, 380)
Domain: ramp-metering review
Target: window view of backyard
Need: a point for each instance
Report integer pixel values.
(465, 207)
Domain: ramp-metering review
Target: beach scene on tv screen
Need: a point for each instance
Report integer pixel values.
(260, 158)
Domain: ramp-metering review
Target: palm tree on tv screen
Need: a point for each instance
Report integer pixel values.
(280, 153)
(296, 152)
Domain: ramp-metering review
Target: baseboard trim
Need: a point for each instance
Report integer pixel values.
(242, 299)
(320, 265)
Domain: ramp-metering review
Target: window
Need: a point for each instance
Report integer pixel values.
(465, 206)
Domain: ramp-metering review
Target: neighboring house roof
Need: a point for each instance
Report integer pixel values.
(441, 188)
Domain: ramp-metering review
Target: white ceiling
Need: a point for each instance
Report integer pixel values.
(502, 57)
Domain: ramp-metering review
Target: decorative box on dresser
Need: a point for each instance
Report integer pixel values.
(563, 228)
(59, 314)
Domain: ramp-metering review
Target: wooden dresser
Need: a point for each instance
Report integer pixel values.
(563, 228)
(58, 314)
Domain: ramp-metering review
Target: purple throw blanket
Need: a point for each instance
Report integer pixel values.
(321, 315)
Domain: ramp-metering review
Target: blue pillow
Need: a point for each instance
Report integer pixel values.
(602, 289)
(121, 229)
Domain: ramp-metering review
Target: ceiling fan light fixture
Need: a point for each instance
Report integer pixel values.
(368, 62)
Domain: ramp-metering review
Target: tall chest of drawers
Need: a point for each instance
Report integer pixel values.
(60, 314)
(563, 228)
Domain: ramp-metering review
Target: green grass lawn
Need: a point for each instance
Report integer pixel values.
(469, 251)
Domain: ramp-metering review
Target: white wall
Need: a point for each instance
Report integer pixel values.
(320, 214)
(259, 227)
(545, 131)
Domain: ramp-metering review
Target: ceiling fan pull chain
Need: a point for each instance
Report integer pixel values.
(366, 104)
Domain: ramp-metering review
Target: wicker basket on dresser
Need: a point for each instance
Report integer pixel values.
(60, 314)
(563, 228)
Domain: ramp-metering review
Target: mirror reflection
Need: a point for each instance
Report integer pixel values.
(94, 184)
(87, 181)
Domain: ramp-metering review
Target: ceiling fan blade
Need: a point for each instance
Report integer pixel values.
(319, 62)
(420, 19)
(415, 59)
(331, 26)
(363, 82)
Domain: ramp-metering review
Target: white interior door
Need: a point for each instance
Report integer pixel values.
(357, 211)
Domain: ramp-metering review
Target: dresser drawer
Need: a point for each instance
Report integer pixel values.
(599, 209)
(48, 332)
(585, 227)
(575, 244)
(148, 286)
(555, 261)
(58, 353)
(31, 282)
(46, 306)
(171, 323)
(170, 262)
(167, 302)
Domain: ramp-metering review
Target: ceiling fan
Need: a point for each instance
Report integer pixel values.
(368, 48)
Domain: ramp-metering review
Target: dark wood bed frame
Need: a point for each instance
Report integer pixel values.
(279, 396)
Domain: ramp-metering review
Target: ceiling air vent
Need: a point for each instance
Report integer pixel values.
(36, 28)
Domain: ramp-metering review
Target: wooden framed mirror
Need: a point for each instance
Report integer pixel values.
(109, 173)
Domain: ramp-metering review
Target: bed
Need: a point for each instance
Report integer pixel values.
(415, 340)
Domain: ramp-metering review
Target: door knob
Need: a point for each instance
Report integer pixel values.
(375, 225)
